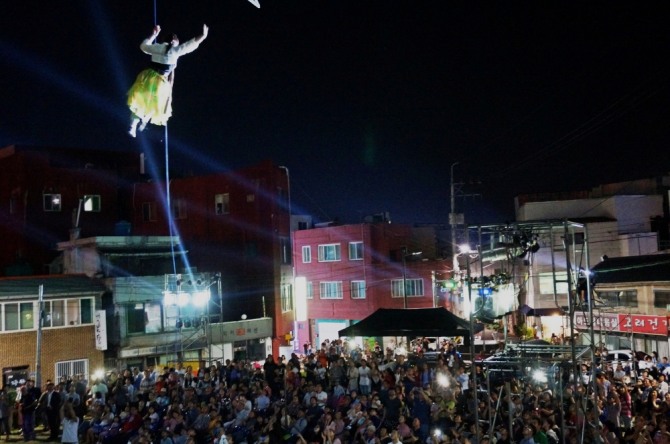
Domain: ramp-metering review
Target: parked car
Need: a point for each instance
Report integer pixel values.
(615, 357)
(633, 361)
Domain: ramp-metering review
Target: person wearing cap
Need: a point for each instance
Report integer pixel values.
(370, 437)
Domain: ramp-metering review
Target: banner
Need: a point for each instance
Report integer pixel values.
(100, 330)
(624, 323)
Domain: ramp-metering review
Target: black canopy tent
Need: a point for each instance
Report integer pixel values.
(410, 322)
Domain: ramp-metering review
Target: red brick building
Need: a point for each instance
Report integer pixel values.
(235, 223)
(68, 332)
(44, 192)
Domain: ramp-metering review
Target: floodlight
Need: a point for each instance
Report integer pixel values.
(182, 299)
(169, 298)
(540, 375)
(200, 298)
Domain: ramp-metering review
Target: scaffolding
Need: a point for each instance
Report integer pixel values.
(523, 362)
(189, 310)
(514, 246)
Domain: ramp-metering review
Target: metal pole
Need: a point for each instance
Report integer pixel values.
(452, 220)
(208, 335)
(404, 278)
(473, 370)
(587, 272)
(38, 352)
(571, 306)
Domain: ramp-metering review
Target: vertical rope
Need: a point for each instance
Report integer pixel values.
(167, 197)
(167, 177)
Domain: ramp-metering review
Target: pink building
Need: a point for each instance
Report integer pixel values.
(350, 271)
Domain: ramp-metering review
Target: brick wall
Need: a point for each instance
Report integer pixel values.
(60, 344)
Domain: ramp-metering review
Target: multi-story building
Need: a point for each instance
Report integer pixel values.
(236, 223)
(46, 192)
(631, 304)
(616, 220)
(55, 331)
(155, 316)
(349, 271)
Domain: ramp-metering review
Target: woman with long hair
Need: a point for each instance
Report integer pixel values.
(70, 422)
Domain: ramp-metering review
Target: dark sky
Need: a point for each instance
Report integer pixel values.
(368, 103)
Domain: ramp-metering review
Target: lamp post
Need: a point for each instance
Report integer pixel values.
(405, 255)
(465, 249)
(452, 219)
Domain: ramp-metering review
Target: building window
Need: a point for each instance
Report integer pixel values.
(329, 253)
(330, 290)
(149, 211)
(222, 203)
(627, 298)
(69, 368)
(355, 251)
(662, 299)
(286, 253)
(18, 316)
(86, 305)
(310, 290)
(57, 313)
(286, 298)
(413, 288)
(52, 202)
(546, 281)
(79, 311)
(91, 203)
(54, 313)
(144, 318)
(178, 208)
(357, 289)
(306, 254)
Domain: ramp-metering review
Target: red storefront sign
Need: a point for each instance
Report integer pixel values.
(624, 323)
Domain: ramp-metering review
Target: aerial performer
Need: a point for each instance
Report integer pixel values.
(150, 97)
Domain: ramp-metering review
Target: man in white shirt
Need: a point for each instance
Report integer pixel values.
(321, 396)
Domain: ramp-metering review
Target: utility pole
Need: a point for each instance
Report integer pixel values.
(454, 220)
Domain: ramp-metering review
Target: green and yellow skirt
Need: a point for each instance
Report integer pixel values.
(150, 97)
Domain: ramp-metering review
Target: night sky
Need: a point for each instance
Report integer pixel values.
(368, 103)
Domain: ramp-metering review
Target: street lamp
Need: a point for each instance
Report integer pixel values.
(452, 218)
(405, 255)
(469, 254)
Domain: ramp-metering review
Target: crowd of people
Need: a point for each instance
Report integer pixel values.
(341, 395)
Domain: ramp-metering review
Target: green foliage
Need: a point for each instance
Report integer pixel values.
(11, 396)
(522, 331)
